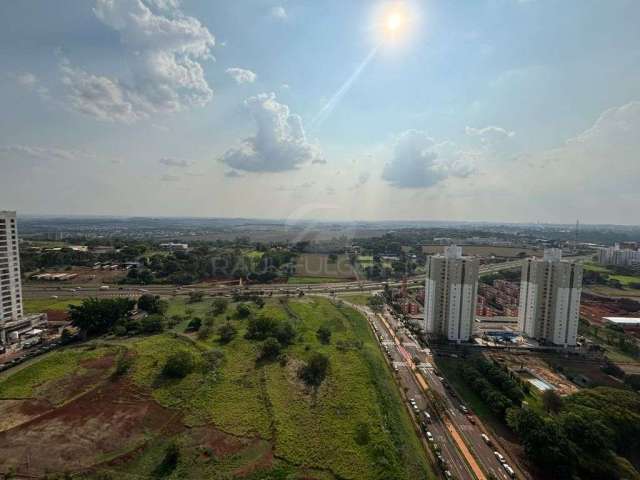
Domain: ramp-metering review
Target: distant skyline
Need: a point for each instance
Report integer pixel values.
(518, 111)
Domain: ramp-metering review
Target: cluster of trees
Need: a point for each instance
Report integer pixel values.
(585, 436)
(275, 335)
(112, 315)
(490, 394)
(501, 379)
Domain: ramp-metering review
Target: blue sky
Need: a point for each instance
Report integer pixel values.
(499, 110)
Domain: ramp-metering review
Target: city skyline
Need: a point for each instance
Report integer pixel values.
(500, 110)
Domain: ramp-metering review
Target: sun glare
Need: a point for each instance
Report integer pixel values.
(394, 21)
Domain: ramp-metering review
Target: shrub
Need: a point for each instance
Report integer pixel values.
(227, 332)
(179, 365)
(324, 335)
(194, 325)
(315, 371)
(152, 324)
(270, 349)
(243, 311)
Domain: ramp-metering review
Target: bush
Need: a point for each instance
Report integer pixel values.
(243, 311)
(315, 371)
(219, 306)
(204, 332)
(227, 333)
(179, 365)
(123, 366)
(194, 325)
(152, 304)
(169, 461)
(195, 297)
(324, 335)
(270, 349)
(152, 324)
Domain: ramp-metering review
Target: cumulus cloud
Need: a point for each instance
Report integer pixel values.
(489, 133)
(172, 162)
(163, 48)
(279, 144)
(241, 75)
(419, 162)
(279, 12)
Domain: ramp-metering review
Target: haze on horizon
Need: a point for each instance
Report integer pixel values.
(489, 110)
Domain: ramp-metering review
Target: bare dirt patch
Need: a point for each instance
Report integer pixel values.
(107, 421)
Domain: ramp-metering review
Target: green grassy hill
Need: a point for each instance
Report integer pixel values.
(243, 418)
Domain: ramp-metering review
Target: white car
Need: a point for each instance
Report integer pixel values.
(500, 457)
(509, 470)
(486, 439)
(429, 436)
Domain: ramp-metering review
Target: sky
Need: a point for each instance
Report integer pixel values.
(477, 110)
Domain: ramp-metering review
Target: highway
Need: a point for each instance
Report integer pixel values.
(70, 290)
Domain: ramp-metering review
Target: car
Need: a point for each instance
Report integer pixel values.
(486, 439)
(429, 436)
(448, 474)
(415, 408)
(427, 417)
(472, 421)
(54, 297)
(500, 457)
(509, 470)
(464, 409)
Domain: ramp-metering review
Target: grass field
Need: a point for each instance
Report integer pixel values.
(244, 419)
(319, 265)
(625, 280)
(357, 298)
(37, 305)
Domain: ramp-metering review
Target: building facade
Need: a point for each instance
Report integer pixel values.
(10, 284)
(550, 299)
(620, 255)
(451, 288)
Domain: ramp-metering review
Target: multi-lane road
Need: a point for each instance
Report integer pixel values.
(466, 454)
(70, 290)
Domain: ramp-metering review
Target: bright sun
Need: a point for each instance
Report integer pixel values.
(394, 21)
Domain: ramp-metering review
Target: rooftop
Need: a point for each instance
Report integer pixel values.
(623, 320)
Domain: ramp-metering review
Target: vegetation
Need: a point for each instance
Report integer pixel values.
(179, 365)
(98, 316)
(315, 371)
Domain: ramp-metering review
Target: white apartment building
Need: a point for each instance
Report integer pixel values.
(550, 299)
(10, 284)
(451, 287)
(621, 257)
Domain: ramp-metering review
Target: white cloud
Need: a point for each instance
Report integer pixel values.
(31, 153)
(419, 162)
(25, 79)
(279, 144)
(488, 134)
(172, 162)
(169, 178)
(97, 96)
(163, 49)
(241, 75)
(279, 12)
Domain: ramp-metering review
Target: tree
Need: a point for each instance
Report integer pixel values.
(152, 323)
(227, 332)
(194, 324)
(376, 303)
(551, 401)
(98, 316)
(315, 371)
(243, 311)
(219, 306)
(179, 365)
(324, 335)
(270, 349)
(152, 304)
